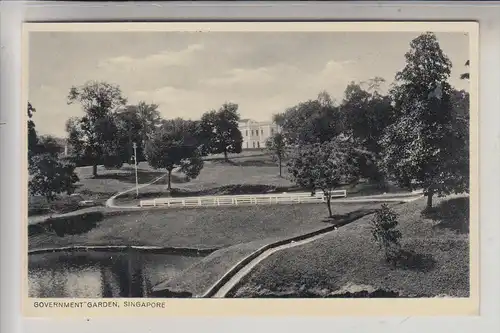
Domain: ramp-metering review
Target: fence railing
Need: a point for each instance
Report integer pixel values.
(235, 200)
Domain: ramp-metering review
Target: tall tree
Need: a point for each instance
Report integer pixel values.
(364, 116)
(149, 118)
(420, 147)
(374, 84)
(175, 145)
(279, 119)
(134, 124)
(277, 148)
(324, 167)
(129, 128)
(313, 121)
(96, 132)
(32, 135)
(49, 175)
(219, 131)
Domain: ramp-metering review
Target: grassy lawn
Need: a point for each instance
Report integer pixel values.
(198, 228)
(245, 175)
(437, 261)
(98, 189)
(250, 172)
(250, 167)
(235, 231)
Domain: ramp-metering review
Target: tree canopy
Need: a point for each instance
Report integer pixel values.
(313, 121)
(94, 137)
(175, 145)
(49, 174)
(324, 167)
(219, 131)
(421, 148)
(276, 146)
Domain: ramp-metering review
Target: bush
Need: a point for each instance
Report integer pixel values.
(384, 224)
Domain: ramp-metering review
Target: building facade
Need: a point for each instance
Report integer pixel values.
(255, 134)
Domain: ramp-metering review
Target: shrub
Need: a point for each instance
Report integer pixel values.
(384, 224)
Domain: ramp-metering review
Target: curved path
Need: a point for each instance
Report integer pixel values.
(233, 276)
(231, 279)
(222, 291)
(111, 201)
(386, 197)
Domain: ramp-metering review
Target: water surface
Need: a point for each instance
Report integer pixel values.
(95, 274)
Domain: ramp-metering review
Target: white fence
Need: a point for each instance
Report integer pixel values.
(235, 200)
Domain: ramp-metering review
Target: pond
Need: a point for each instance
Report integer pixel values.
(100, 274)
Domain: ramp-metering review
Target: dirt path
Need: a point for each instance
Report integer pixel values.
(111, 201)
(229, 285)
(220, 291)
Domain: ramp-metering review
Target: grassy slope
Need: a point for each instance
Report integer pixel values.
(246, 173)
(198, 278)
(252, 167)
(439, 265)
(200, 228)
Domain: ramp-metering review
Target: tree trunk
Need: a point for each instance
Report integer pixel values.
(94, 170)
(328, 200)
(225, 156)
(280, 166)
(430, 193)
(169, 185)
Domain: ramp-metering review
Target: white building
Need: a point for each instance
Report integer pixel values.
(256, 133)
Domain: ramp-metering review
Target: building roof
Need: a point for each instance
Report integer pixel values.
(246, 121)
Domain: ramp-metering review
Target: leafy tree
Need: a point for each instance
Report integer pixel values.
(134, 123)
(49, 144)
(32, 135)
(364, 117)
(108, 133)
(279, 119)
(95, 133)
(324, 167)
(51, 176)
(313, 121)
(277, 147)
(459, 140)
(175, 145)
(219, 131)
(420, 147)
(80, 151)
(149, 118)
(129, 128)
(374, 83)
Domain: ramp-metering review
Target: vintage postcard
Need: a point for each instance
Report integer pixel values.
(321, 169)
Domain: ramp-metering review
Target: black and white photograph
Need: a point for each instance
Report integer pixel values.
(203, 163)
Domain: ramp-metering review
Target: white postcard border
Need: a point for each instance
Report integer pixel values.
(490, 83)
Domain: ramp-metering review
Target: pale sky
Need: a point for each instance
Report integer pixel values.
(190, 73)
